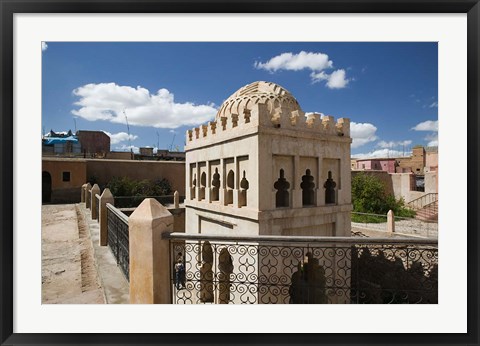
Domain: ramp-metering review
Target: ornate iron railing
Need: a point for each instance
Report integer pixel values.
(118, 237)
(302, 270)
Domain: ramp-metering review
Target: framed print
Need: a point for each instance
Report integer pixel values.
(315, 103)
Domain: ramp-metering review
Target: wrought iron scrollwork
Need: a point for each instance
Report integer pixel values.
(283, 273)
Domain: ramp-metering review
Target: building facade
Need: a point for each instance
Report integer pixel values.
(263, 168)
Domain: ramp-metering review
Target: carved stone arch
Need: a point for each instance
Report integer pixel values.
(330, 192)
(203, 184)
(230, 186)
(282, 197)
(308, 189)
(215, 185)
(244, 185)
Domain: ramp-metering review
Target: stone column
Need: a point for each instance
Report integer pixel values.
(223, 183)
(105, 198)
(93, 201)
(296, 191)
(208, 197)
(82, 195)
(236, 189)
(390, 221)
(88, 196)
(149, 254)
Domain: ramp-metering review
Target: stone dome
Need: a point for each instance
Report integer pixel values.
(272, 95)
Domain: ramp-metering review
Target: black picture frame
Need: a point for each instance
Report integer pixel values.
(9, 7)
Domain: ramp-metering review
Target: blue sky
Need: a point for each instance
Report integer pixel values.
(388, 90)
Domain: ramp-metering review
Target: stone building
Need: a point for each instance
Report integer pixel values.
(94, 143)
(264, 168)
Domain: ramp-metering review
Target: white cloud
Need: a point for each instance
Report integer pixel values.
(44, 46)
(362, 133)
(116, 138)
(127, 148)
(429, 125)
(337, 80)
(108, 101)
(434, 105)
(381, 153)
(432, 139)
(393, 144)
(315, 62)
(296, 62)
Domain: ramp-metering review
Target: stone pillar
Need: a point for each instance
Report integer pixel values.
(105, 198)
(223, 183)
(176, 200)
(296, 191)
(149, 254)
(93, 201)
(390, 221)
(82, 195)
(88, 196)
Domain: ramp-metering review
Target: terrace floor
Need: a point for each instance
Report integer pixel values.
(75, 269)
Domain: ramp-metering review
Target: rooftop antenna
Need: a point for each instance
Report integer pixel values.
(75, 121)
(158, 140)
(171, 145)
(128, 132)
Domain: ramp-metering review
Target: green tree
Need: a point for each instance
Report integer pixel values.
(369, 195)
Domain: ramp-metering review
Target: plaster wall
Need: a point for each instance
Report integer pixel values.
(65, 191)
(104, 170)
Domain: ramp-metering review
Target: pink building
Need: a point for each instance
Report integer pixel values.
(387, 165)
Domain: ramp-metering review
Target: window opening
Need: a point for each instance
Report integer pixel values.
(215, 185)
(66, 176)
(230, 186)
(282, 197)
(308, 186)
(330, 189)
(243, 191)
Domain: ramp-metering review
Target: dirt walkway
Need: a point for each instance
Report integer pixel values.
(68, 267)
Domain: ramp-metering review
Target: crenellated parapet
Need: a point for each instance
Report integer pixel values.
(262, 105)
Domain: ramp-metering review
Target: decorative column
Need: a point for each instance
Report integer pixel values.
(88, 196)
(149, 254)
(93, 201)
(390, 221)
(82, 195)
(105, 198)
(176, 200)
(296, 190)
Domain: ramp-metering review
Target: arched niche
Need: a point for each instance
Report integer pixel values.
(203, 184)
(244, 185)
(215, 195)
(330, 192)
(230, 187)
(193, 190)
(308, 189)
(282, 197)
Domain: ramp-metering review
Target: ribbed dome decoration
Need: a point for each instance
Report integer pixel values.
(270, 94)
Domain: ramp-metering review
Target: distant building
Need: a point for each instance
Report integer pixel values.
(94, 143)
(61, 143)
(380, 164)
